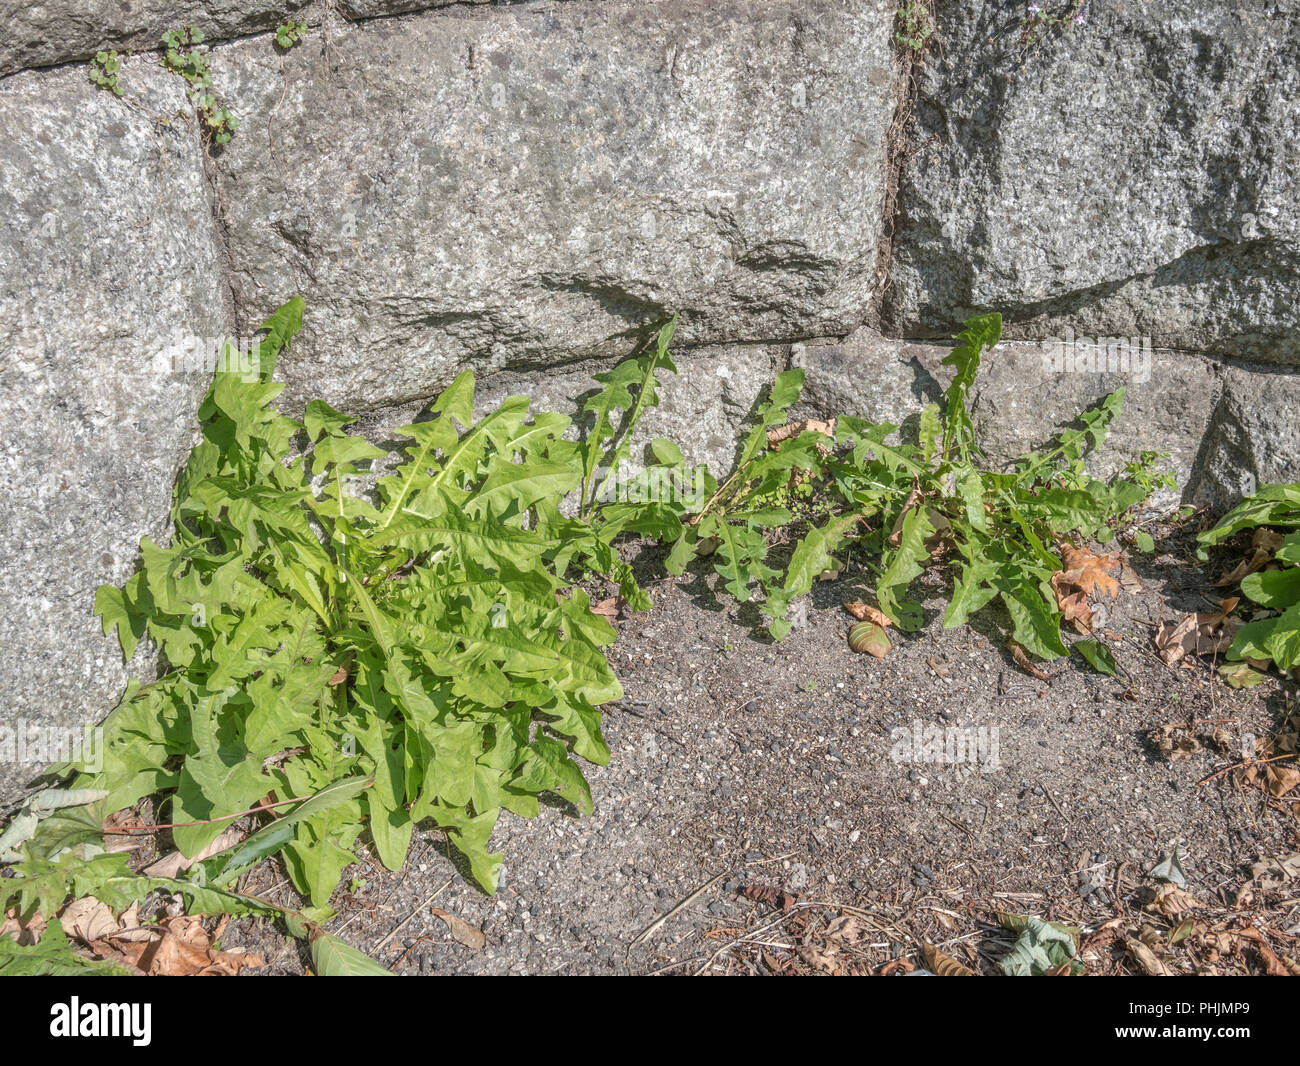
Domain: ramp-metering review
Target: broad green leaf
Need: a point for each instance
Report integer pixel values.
(1098, 655)
(334, 958)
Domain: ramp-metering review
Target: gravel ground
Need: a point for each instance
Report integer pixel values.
(739, 762)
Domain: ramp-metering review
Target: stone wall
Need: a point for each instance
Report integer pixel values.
(527, 188)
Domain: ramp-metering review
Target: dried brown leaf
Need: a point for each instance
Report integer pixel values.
(1087, 571)
(1172, 901)
(606, 608)
(1145, 957)
(461, 931)
(182, 948)
(173, 864)
(864, 612)
(845, 929)
(1023, 661)
(943, 965)
(793, 429)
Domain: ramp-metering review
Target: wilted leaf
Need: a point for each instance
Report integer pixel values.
(793, 429)
(1264, 544)
(1042, 948)
(1184, 929)
(870, 638)
(1173, 642)
(1269, 873)
(1174, 743)
(1281, 778)
(819, 958)
(845, 929)
(1171, 870)
(1240, 675)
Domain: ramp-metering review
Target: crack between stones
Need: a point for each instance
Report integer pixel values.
(908, 66)
(214, 194)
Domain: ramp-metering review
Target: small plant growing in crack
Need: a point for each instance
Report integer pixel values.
(916, 24)
(290, 33)
(104, 69)
(183, 58)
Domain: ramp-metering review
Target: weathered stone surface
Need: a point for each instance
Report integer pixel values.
(1022, 398)
(524, 186)
(59, 31)
(365, 9)
(1254, 435)
(106, 260)
(1133, 176)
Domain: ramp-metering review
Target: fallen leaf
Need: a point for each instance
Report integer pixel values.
(1271, 873)
(845, 929)
(864, 612)
(25, 932)
(1145, 957)
(782, 901)
(606, 608)
(1075, 610)
(178, 947)
(1265, 542)
(1082, 573)
(1022, 661)
(173, 864)
(1087, 571)
(1281, 778)
(820, 958)
(1170, 870)
(1173, 642)
(1184, 929)
(88, 919)
(1170, 900)
(1272, 964)
(1240, 675)
(870, 638)
(1267, 539)
(461, 930)
(943, 965)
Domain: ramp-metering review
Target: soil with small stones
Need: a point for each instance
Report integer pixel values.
(745, 765)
